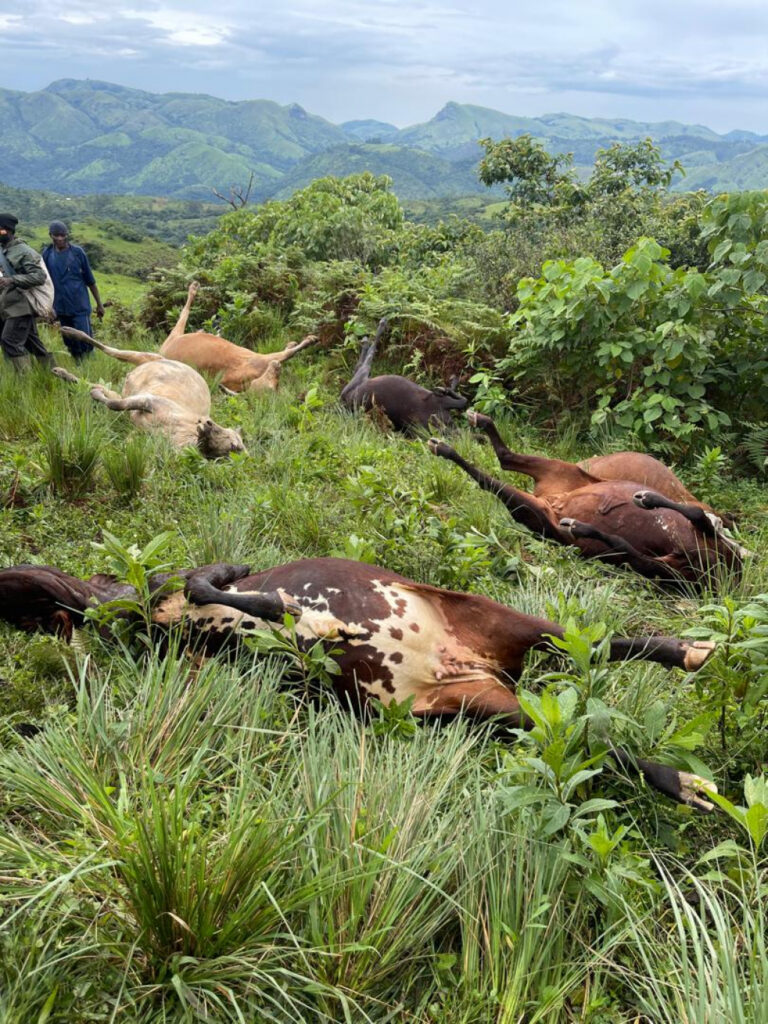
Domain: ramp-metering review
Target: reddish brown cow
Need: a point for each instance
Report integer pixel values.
(241, 369)
(639, 466)
(606, 519)
(393, 639)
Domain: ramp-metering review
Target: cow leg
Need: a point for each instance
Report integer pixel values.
(550, 475)
(98, 392)
(268, 381)
(361, 372)
(136, 403)
(62, 374)
(621, 552)
(707, 523)
(669, 651)
(482, 422)
(664, 650)
(524, 508)
(180, 327)
(362, 369)
(481, 700)
(682, 787)
(293, 349)
(490, 699)
(124, 355)
(203, 587)
(42, 597)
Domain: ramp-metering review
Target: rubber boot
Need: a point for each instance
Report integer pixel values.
(21, 364)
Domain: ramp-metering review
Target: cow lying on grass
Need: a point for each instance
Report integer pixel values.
(406, 404)
(164, 396)
(639, 466)
(240, 368)
(616, 520)
(393, 639)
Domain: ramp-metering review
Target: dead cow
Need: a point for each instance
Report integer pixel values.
(164, 396)
(406, 404)
(639, 466)
(393, 639)
(616, 520)
(240, 368)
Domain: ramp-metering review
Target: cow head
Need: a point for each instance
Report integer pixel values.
(215, 442)
(450, 399)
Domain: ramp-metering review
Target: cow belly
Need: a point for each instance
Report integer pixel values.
(652, 532)
(406, 651)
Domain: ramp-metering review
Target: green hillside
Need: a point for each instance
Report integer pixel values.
(85, 136)
(415, 174)
(79, 137)
(734, 175)
(168, 220)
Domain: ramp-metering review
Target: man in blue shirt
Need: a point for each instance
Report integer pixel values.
(72, 278)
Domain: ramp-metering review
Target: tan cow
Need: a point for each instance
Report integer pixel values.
(241, 369)
(165, 396)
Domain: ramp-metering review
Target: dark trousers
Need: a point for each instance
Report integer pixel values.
(81, 322)
(19, 337)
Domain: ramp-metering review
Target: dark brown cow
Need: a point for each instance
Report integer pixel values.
(606, 519)
(393, 639)
(406, 404)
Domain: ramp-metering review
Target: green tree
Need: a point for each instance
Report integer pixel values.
(354, 218)
(531, 174)
(625, 165)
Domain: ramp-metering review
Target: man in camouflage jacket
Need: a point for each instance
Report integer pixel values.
(21, 269)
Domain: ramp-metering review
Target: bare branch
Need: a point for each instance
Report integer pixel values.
(238, 194)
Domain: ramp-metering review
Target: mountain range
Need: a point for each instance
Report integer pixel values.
(77, 137)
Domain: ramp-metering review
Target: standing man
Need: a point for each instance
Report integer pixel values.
(72, 277)
(21, 269)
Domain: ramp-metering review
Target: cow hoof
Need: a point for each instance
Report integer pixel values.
(290, 605)
(693, 790)
(478, 419)
(62, 374)
(569, 526)
(698, 653)
(440, 448)
(644, 499)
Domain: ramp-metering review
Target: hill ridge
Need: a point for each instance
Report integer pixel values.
(82, 136)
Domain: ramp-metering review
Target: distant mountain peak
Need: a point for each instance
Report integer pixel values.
(449, 111)
(81, 136)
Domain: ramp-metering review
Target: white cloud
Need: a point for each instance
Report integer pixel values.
(182, 29)
(401, 60)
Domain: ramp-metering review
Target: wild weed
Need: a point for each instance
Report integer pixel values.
(72, 443)
(128, 465)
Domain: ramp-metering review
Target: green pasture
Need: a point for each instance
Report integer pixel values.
(210, 844)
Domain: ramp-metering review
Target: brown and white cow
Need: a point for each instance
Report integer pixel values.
(393, 639)
(241, 369)
(614, 520)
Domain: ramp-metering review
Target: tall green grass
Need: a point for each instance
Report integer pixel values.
(72, 443)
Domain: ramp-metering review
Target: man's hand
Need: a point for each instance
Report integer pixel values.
(99, 311)
(5, 282)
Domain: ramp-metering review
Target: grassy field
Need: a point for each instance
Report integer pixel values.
(188, 844)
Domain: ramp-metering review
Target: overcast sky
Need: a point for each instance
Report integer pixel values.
(402, 60)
